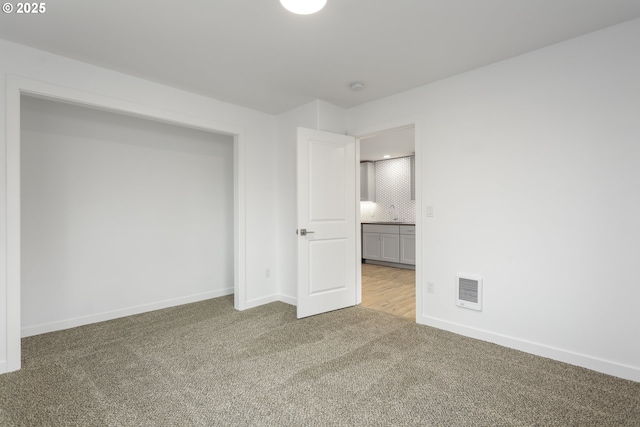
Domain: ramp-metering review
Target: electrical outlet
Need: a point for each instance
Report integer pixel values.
(430, 287)
(267, 273)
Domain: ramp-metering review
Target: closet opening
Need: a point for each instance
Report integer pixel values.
(119, 215)
(98, 226)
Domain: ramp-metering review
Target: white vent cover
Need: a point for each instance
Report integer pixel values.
(469, 292)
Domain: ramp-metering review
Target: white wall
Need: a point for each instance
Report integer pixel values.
(531, 165)
(317, 115)
(119, 212)
(258, 131)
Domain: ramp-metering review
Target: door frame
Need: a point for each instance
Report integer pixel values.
(18, 86)
(377, 129)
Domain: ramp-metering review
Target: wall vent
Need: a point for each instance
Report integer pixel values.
(469, 292)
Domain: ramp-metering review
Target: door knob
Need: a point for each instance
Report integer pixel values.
(304, 232)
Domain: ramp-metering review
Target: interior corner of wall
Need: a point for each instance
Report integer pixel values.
(289, 300)
(331, 118)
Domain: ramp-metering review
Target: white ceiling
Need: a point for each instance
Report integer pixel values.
(256, 54)
(396, 143)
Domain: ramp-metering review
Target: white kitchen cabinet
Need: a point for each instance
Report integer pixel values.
(383, 242)
(371, 246)
(378, 242)
(390, 247)
(367, 182)
(381, 246)
(408, 244)
(407, 249)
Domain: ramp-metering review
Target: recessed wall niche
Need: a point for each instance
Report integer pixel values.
(119, 213)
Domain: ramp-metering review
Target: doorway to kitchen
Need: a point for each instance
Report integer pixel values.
(388, 221)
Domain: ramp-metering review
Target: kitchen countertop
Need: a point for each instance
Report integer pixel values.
(390, 223)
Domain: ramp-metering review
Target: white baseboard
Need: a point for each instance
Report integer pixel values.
(289, 300)
(596, 364)
(115, 314)
(271, 298)
(262, 301)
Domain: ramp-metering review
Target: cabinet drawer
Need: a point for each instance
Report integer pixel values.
(381, 228)
(408, 229)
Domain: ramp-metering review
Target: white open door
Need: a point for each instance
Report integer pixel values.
(327, 259)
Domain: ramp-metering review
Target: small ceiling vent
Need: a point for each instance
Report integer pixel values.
(469, 292)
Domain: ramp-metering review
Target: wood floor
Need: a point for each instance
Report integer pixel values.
(388, 289)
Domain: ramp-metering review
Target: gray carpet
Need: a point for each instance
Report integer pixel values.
(205, 364)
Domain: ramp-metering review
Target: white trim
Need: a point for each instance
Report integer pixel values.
(288, 299)
(573, 358)
(272, 298)
(15, 87)
(262, 301)
(13, 225)
(388, 126)
(115, 314)
(240, 223)
(358, 228)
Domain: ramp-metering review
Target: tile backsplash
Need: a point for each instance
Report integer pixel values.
(393, 188)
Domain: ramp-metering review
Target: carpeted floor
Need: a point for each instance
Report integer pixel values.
(205, 364)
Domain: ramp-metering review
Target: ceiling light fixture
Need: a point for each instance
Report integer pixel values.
(386, 156)
(303, 7)
(356, 86)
